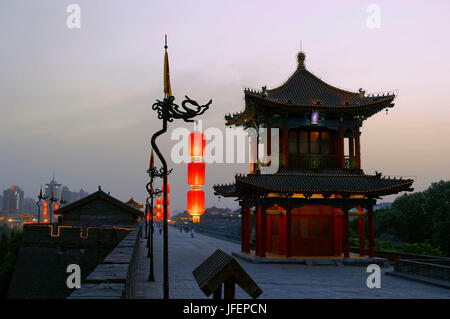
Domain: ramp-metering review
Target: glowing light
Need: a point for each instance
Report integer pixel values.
(196, 144)
(196, 174)
(196, 204)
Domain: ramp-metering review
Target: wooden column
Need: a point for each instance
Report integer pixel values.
(340, 152)
(351, 146)
(263, 231)
(336, 232)
(269, 144)
(245, 230)
(288, 231)
(258, 241)
(357, 149)
(269, 232)
(285, 146)
(371, 232)
(345, 233)
(361, 235)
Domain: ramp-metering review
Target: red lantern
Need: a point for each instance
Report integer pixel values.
(158, 201)
(158, 216)
(196, 203)
(148, 216)
(196, 174)
(196, 144)
(44, 214)
(158, 208)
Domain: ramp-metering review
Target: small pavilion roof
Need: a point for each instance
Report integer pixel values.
(305, 91)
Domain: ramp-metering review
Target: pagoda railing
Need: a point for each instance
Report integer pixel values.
(350, 162)
(312, 161)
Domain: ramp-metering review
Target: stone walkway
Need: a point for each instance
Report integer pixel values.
(286, 281)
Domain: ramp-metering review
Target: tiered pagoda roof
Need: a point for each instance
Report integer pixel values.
(304, 91)
(308, 182)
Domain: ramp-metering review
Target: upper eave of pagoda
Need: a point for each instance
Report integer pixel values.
(304, 90)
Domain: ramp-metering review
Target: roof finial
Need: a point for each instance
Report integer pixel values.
(301, 59)
(165, 42)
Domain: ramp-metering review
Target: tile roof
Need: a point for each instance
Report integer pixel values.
(326, 182)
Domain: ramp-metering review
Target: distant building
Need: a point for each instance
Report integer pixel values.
(134, 204)
(71, 196)
(87, 232)
(53, 189)
(98, 209)
(12, 199)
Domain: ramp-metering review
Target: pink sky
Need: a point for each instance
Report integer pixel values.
(79, 101)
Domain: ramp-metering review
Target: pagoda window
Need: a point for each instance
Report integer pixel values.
(303, 143)
(309, 142)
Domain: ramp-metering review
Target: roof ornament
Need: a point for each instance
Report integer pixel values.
(301, 60)
(264, 91)
(362, 92)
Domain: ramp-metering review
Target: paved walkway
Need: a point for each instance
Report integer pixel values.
(276, 280)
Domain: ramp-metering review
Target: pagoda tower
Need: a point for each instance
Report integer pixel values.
(303, 209)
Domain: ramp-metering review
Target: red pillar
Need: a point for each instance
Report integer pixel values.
(258, 231)
(340, 153)
(345, 233)
(288, 231)
(269, 232)
(357, 149)
(269, 144)
(361, 235)
(245, 231)
(263, 231)
(336, 233)
(285, 146)
(282, 234)
(371, 232)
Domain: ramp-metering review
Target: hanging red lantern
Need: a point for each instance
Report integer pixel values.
(158, 201)
(196, 144)
(148, 216)
(44, 214)
(196, 203)
(196, 174)
(158, 208)
(158, 216)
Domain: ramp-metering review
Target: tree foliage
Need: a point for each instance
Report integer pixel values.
(421, 218)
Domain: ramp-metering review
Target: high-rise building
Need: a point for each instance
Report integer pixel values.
(12, 199)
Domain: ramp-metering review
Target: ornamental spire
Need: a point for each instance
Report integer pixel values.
(301, 60)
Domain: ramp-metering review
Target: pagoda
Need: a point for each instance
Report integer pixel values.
(303, 208)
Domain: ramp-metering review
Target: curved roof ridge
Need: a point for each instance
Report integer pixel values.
(315, 77)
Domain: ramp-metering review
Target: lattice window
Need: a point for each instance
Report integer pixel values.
(303, 143)
(325, 143)
(293, 141)
(315, 142)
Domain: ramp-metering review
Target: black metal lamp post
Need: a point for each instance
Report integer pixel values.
(152, 193)
(40, 198)
(167, 112)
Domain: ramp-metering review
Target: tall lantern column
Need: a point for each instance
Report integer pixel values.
(196, 176)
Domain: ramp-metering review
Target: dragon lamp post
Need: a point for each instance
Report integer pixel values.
(167, 112)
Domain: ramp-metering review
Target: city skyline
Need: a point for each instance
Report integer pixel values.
(79, 101)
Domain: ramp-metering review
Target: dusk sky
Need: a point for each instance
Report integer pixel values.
(79, 100)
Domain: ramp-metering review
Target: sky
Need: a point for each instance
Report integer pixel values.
(78, 101)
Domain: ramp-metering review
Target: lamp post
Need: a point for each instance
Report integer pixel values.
(40, 197)
(168, 111)
(152, 193)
